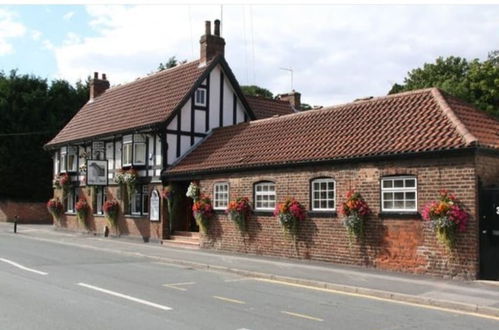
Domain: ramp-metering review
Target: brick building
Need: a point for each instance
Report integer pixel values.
(192, 123)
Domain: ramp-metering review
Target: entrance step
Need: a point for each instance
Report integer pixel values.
(183, 239)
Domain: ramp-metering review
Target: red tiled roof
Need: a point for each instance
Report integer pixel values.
(146, 101)
(417, 121)
(265, 108)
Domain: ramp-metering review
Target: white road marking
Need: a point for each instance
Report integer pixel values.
(234, 301)
(15, 264)
(175, 285)
(239, 279)
(124, 296)
(303, 316)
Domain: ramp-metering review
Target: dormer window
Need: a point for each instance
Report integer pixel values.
(200, 97)
(68, 159)
(134, 150)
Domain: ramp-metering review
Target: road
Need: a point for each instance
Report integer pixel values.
(46, 285)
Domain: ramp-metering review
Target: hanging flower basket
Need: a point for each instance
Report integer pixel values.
(82, 210)
(290, 213)
(61, 181)
(127, 179)
(239, 211)
(203, 211)
(55, 208)
(111, 210)
(447, 217)
(193, 191)
(356, 211)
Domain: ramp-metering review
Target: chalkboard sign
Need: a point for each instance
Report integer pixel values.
(154, 211)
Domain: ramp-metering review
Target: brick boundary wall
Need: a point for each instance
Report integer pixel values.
(28, 212)
(393, 243)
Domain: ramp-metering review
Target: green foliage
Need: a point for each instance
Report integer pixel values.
(172, 62)
(254, 90)
(31, 113)
(473, 81)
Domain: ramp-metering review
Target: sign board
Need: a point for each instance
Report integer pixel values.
(98, 150)
(154, 209)
(96, 172)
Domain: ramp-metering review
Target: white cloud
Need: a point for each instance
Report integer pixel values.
(36, 35)
(68, 16)
(9, 29)
(338, 53)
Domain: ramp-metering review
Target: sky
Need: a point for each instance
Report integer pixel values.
(337, 52)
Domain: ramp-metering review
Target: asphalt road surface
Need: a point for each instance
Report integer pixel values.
(46, 285)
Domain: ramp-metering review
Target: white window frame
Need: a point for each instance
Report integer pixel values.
(70, 200)
(140, 196)
(63, 157)
(320, 199)
(134, 208)
(220, 195)
(403, 190)
(129, 150)
(265, 193)
(200, 91)
(56, 163)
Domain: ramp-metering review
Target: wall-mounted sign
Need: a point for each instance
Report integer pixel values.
(98, 150)
(96, 172)
(154, 213)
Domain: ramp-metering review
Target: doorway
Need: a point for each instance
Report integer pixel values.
(183, 219)
(489, 233)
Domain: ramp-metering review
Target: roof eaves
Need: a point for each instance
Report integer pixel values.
(468, 138)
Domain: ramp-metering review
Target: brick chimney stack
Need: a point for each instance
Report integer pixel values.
(294, 98)
(98, 86)
(211, 44)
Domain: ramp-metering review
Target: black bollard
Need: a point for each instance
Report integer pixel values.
(15, 224)
(106, 231)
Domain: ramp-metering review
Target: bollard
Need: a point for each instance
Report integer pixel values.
(106, 231)
(15, 224)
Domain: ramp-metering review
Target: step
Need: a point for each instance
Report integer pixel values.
(192, 234)
(177, 243)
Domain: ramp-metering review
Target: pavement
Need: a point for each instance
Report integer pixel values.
(471, 297)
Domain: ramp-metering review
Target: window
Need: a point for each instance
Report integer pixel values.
(139, 204)
(399, 193)
(56, 163)
(134, 150)
(68, 159)
(200, 97)
(323, 194)
(99, 200)
(265, 196)
(221, 195)
(70, 200)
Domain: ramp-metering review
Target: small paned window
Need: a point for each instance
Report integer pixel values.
(99, 200)
(139, 204)
(134, 150)
(265, 196)
(68, 159)
(70, 200)
(221, 195)
(399, 194)
(200, 97)
(323, 194)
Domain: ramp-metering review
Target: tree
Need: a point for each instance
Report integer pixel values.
(31, 113)
(475, 82)
(172, 62)
(253, 90)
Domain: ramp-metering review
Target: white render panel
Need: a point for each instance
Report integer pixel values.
(228, 104)
(56, 163)
(214, 97)
(185, 144)
(173, 124)
(81, 156)
(200, 123)
(239, 112)
(109, 156)
(118, 155)
(185, 123)
(158, 151)
(171, 140)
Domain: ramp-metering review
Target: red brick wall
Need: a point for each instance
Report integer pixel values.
(395, 243)
(28, 212)
(133, 226)
(488, 169)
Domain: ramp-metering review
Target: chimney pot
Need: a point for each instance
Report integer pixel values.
(294, 99)
(96, 75)
(217, 28)
(98, 86)
(104, 76)
(207, 28)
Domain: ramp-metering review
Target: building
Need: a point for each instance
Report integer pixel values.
(192, 123)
